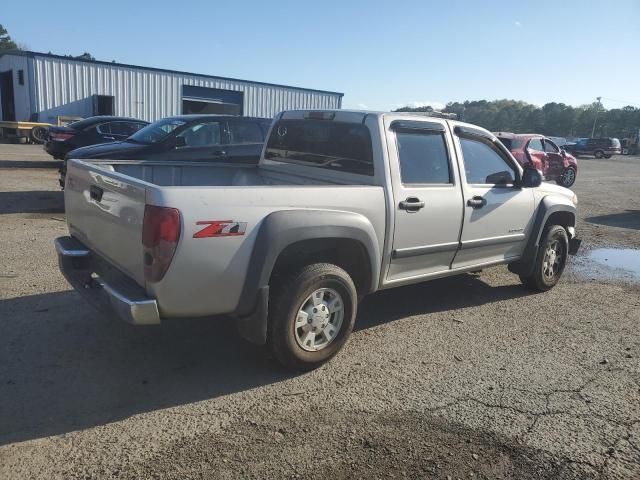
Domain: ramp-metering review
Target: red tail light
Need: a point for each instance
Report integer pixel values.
(60, 136)
(160, 235)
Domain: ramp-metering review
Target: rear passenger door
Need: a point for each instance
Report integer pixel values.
(427, 199)
(246, 138)
(497, 213)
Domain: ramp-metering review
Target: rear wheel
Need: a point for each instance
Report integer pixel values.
(311, 315)
(568, 178)
(598, 154)
(550, 259)
(39, 135)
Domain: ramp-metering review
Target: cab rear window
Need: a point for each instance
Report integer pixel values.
(323, 144)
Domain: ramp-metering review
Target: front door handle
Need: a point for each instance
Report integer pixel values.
(411, 204)
(219, 153)
(476, 202)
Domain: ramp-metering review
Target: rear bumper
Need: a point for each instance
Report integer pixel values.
(103, 286)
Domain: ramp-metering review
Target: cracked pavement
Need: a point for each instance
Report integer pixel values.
(460, 376)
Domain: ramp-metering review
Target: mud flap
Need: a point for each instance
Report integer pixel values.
(253, 327)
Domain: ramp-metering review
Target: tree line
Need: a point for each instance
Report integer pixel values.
(552, 119)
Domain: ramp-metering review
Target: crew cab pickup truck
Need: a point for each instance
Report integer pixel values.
(341, 204)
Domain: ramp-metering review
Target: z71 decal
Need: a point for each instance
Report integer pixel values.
(220, 228)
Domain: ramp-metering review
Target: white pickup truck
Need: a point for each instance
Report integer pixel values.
(341, 204)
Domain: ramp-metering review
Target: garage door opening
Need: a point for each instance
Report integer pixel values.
(203, 100)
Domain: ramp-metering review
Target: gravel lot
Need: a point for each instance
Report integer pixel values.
(471, 376)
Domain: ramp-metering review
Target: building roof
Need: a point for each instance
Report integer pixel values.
(28, 53)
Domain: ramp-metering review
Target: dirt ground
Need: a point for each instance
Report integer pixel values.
(465, 377)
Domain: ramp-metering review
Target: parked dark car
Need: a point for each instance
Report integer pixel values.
(598, 147)
(90, 131)
(543, 154)
(189, 138)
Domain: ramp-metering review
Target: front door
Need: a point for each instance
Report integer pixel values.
(555, 160)
(6, 96)
(427, 199)
(497, 214)
(535, 150)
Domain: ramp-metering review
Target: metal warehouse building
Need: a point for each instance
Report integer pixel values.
(42, 87)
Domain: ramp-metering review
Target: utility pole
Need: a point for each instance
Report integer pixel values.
(595, 117)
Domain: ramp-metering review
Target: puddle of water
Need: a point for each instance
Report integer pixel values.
(609, 264)
(623, 258)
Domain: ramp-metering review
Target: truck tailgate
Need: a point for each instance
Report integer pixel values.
(105, 212)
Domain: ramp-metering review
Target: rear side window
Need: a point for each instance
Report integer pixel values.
(536, 144)
(483, 163)
(322, 143)
(423, 157)
(245, 132)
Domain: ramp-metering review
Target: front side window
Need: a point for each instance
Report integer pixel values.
(245, 132)
(536, 144)
(550, 147)
(423, 157)
(324, 144)
(484, 164)
(202, 135)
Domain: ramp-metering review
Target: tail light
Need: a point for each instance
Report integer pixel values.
(61, 136)
(160, 235)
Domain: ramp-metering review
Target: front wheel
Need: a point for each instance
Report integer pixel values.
(550, 259)
(568, 178)
(311, 315)
(598, 154)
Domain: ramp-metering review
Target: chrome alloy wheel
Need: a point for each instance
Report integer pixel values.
(569, 177)
(552, 261)
(319, 319)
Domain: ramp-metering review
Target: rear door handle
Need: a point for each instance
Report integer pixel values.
(411, 204)
(476, 202)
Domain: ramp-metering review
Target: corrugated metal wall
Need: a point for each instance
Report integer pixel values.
(66, 86)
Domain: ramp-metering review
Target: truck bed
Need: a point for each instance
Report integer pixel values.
(105, 203)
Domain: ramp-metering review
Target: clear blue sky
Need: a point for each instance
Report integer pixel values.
(381, 54)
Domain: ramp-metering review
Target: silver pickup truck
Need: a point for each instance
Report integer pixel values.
(341, 204)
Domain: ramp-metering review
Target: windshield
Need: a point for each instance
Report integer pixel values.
(323, 144)
(156, 131)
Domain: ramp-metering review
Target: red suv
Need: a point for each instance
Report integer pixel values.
(537, 150)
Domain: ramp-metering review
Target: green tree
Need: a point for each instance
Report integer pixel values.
(5, 40)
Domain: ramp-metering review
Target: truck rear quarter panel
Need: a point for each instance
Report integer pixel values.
(207, 273)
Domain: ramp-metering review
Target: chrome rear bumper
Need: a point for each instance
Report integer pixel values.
(103, 286)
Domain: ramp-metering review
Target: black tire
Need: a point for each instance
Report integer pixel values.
(539, 279)
(598, 154)
(287, 298)
(567, 179)
(39, 135)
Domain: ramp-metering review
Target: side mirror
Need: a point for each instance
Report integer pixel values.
(531, 178)
(179, 142)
